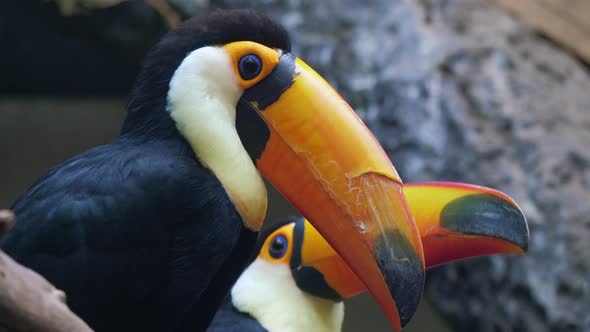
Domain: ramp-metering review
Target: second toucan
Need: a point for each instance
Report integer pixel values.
(298, 282)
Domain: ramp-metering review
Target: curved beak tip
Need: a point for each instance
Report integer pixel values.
(403, 271)
(522, 240)
(488, 215)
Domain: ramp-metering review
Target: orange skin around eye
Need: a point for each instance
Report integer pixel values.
(268, 56)
(287, 232)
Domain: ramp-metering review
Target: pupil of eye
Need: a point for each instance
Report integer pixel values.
(250, 66)
(278, 246)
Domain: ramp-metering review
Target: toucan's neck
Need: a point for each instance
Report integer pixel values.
(269, 294)
(146, 111)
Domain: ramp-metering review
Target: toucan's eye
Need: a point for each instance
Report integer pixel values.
(250, 66)
(278, 246)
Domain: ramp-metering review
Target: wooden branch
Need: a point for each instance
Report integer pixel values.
(6, 221)
(167, 11)
(565, 22)
(28, 302)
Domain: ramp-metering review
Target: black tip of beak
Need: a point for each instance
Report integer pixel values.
(403, 272)
(487, 215)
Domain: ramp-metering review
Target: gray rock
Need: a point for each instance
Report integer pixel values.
(458, 90)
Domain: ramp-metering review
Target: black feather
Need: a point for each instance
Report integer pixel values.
(134, 233)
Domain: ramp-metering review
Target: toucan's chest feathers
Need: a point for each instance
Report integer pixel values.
(269, 293)
(202, 101)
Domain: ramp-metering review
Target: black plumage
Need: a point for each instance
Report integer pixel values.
(138, 233)
(229, 319)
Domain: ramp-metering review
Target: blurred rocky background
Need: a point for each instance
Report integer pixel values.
(454, 89)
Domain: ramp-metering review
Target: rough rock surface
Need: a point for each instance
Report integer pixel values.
(459, 90)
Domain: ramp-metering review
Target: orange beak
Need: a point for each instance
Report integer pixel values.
(338, 281)
(325, 161)
(456, 221)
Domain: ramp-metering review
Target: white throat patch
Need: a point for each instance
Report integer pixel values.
(268, 293)
(202, 101)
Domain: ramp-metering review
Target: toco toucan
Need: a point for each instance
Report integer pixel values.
(298, 282)
(149, 232)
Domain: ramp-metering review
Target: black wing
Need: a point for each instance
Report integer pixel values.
(134, 234)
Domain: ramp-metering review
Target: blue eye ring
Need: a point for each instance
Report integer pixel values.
(249, 66)
(278, 246)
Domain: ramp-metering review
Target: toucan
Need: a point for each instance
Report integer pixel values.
(298, 282)
(150, 231)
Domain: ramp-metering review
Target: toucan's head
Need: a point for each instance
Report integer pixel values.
(315, 267)
(284, 289)
(230, 86)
